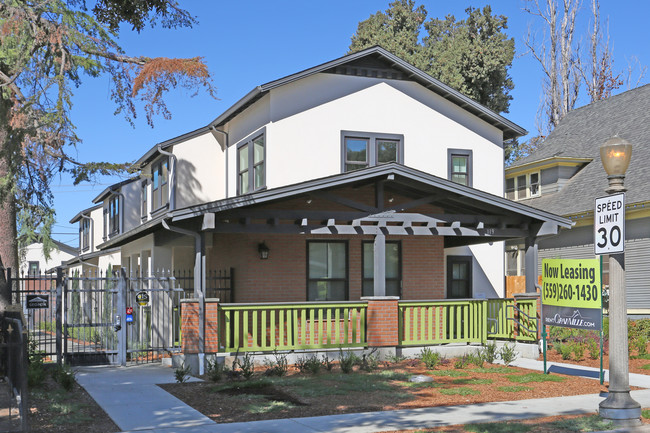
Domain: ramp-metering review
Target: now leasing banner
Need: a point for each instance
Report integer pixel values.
(571, 293)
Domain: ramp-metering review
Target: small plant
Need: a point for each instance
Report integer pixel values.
(461, 362)
(508, 354)
(65, 376)
(347, 361)
(215, 370)
(640, 344)
(327, 363)
(309, 364)
(182, 373)
(459, 391)
(489, 352)
(278, 366)
(394, 359)
(35, 369)
(246, 366)
(476, 359)
(578, 350)
(430, 358)
(593, 348)
(369, 362)
(564, 350)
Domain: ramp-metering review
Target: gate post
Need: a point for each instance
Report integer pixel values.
(122, 286)
(59, 315)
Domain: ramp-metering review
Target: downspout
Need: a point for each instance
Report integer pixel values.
(225, 149)
(92, 234)
(199, 283)
(172, 177)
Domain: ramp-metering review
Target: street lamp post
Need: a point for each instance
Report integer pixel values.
(619, 407)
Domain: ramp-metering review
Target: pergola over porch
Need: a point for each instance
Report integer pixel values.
(379, 201)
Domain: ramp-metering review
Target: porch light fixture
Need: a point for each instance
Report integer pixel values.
(615, 154)
(263, 250)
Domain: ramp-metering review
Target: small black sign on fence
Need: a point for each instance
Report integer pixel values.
(37, 301)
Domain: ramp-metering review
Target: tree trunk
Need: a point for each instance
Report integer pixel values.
(8, 229)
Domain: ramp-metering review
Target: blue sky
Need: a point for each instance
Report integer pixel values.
(251, 42)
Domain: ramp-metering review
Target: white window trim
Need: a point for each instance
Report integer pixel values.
(528, 186)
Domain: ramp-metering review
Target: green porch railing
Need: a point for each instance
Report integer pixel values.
(501, 319)
(287, 326)
(439, 322)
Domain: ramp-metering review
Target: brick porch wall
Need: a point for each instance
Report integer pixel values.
(283, 277)
(190, 325)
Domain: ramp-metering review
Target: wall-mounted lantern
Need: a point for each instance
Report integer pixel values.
(263, 250)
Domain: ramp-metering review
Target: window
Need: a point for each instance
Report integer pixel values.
(523, 186)
(33, 268)
(327, 271)
(362, 149)
(114, 215)
(459, 277)
(251, 172)
(393, 269)
(85, 234)
(160, 184)
(143, 209)
(459, 163)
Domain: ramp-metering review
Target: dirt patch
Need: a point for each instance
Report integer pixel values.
(384, 389)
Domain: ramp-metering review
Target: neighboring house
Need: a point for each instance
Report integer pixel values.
(94, 227)
(33, 261)
(565, 175)
(361, 176)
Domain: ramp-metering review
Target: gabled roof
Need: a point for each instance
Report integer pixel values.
(580, 134)
(365, 61)
(111, 188)
(77, 217)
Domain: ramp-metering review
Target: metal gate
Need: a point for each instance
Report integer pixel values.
(96, 318)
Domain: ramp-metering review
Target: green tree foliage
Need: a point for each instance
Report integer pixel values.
(46, 49)
(472, 55)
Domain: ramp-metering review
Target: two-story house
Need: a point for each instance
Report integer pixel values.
(360, 176)
(564, 175)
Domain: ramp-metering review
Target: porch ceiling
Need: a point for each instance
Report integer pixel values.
(389, 199)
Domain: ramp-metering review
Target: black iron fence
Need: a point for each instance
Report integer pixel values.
(219, 283)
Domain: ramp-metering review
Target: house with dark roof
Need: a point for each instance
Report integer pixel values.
(33, 261)
(564, 175)
(362, 176)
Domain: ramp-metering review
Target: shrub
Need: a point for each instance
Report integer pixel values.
(65, 376)
(278, 366)
(35, 368)
(640, 343)
(593, 347)
(309, 364)
(508, 353)
(563, 349)
(182, 373)
(461, 362)
(578, 350)
(327, 363)
(489, 352)
(347, 361)
(214, 370)
(430, 358)
(369, 362)
(476, 359)
(246, 366)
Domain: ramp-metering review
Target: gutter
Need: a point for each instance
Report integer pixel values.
(199, 286)
(172, 177)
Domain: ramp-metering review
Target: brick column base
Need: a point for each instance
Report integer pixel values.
(190, 325)
(382, 323)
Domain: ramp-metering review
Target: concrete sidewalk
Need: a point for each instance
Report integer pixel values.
(134, 402)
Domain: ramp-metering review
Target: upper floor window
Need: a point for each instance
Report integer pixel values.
(85, 234)
(114, 215)
(251, 172)
(523, 186)
(143, 202)
(33, 268)
(459, 163)
(363, 149)
(160, 184)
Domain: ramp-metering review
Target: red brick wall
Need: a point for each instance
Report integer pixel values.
(190, 326)
(283, 277)
(382, 324)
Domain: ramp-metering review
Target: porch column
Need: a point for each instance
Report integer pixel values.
(199, 292)
(379, 275)
(530, 261)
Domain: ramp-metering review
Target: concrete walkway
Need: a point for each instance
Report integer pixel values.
(134, 402)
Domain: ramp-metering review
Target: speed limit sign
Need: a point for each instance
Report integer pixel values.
(609, 224)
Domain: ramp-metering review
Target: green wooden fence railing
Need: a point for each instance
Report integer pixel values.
(287, 326)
